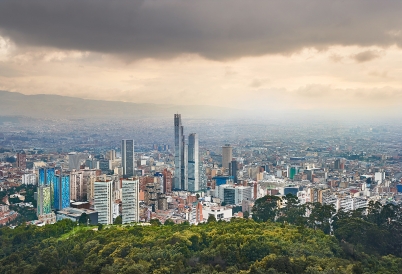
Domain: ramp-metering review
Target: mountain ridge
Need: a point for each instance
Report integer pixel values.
(59, 106)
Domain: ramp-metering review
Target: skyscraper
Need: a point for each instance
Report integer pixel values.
(127, 157)
(103, 203)
(226, 156)
(233, 170)
(44, 202)
(193, 165)
(180, 157)
(61, 191)
(167, 181)
(22, 160)
(130, 201)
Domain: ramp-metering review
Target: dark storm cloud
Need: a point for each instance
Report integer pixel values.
(216, 29)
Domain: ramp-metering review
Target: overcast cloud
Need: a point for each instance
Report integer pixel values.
(215, 29)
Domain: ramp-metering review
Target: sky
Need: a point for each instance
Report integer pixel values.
(280, 55)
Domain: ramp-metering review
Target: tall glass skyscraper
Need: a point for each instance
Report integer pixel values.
(127, 157)
(180, 155)
(62, 192)
(193, 165)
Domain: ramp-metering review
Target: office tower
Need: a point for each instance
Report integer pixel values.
(61, 191)
(226, 156)
(103, 203)
(111, 155)
(47, 178)
(180, 155)
(44, 204)
(337, 164)
(203, 176)
(158, 180)
(233, 170)
(130, 201)
(193, 165)
(127, 158)
(292, 172)
(77, 186)
(92, 163)
(167, 181)
(22, 160)
(75, 159)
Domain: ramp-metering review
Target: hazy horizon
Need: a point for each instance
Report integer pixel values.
(316, 57)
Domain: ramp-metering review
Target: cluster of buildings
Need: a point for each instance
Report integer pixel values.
(197, 179)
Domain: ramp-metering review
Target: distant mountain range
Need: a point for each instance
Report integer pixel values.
(56, 106)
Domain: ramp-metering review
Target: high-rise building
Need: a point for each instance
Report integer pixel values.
(193, 163)
(226, 156)
(167, 181)
(180, 155)
(130, 201)
(44, 204)
(77, 186)
(111, 155)
(233, 170)
(62, 191)
(103, 202)
(22, 160)
(127, 158)
(337, 164)
(75, 160)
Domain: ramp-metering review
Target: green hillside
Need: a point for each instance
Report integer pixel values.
(239, 246)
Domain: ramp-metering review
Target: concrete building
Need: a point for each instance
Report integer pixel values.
(130, 201)
(77, 186)
(220, 213)
(74, 215)
(180, 156)
(167, 181)
(28, 179)
(226, 156)
(127, 158)
(22, 160)
(103, 202)
(193, 163)
(75, 160)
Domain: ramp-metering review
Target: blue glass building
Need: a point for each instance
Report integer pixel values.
(62, 192)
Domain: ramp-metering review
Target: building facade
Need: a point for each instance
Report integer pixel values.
(226, 156)
(130, 201)
(127, 158)
(103, 202)
(180, 155)
(62, 191)
(193, 163)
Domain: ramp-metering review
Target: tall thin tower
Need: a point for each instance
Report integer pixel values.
(193, 165)
(127, 157)
(180, 157)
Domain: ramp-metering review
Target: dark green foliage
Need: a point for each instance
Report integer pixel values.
(362, 244)
(266, 208)
(118, 220)
(83, 220)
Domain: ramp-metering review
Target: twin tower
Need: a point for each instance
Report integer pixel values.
(186, 159)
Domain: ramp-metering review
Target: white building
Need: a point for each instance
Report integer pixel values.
(29, 179)
(220, 213)
(130, 201)
(103, 203)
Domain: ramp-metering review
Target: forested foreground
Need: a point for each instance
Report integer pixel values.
(239, 246)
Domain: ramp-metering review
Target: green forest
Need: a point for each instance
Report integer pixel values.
(274, 241)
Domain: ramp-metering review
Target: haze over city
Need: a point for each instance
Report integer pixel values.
(201, 136)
